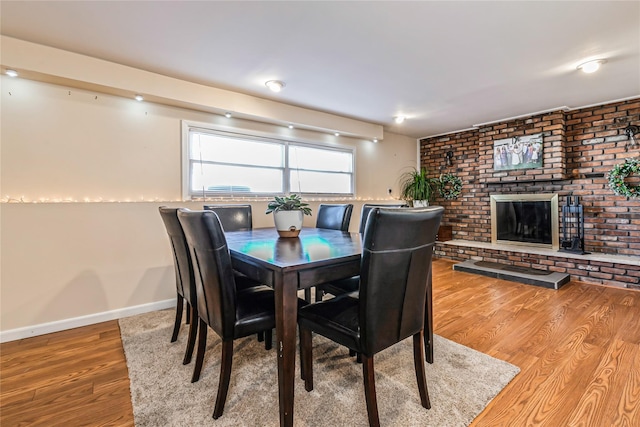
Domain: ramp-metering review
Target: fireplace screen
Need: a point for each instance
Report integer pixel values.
(525, 219)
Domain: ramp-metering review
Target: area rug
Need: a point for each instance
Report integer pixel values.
(461, 382)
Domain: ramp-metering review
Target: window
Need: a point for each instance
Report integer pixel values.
(225, 163)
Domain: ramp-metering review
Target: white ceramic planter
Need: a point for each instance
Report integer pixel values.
(288, 223)
(420, 203)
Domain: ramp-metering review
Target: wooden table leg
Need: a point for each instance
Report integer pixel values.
(428, 321)
(286, 322)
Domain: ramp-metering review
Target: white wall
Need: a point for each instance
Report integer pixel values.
(91, 170)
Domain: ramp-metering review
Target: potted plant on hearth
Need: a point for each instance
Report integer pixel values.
(288, 213)
(417, 187)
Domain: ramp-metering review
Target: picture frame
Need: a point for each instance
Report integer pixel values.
(521, 152)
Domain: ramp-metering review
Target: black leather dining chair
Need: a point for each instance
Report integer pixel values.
(390, 306)
(366, 208)
(237, 218)
(334, 217)
(230, 313)
(350, 284)
(233, 217)
(185, 282)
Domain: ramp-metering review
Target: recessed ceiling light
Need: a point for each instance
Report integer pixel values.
(591, 66)
(399, 119)
(290, 126)
(139, 98)
(375, 140)
(11, 73)
(275, 85)
(337, 133)
(227, 115)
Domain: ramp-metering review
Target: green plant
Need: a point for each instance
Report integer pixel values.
(292, 202)
(416, 185)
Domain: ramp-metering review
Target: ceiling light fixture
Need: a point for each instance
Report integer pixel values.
(591, 66)
(275, 85)
(11, 73)
(139, 98)
(290, 126)
(337, 133)
(375, 140)
(399, 119)
(227, 115)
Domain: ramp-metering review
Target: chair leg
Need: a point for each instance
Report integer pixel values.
(428, 320)
(319, 294)
(302, 376)
(202, 344)
(370, 390)
(188, 313)
(260, 336)
(193, 331)
(225, 375)
(268, 339)
(176, 324)
(306, 354)
(418, 361)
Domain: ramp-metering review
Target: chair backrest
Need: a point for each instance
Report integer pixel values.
(366, 208)
(212, 269)
(185, 284)
(233, 217)
(334, 217)
(396, 263)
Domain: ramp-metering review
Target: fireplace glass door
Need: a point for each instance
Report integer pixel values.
(525, 219)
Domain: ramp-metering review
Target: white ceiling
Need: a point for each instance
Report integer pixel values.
(445, 65)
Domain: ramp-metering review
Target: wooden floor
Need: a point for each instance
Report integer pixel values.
(578, 350)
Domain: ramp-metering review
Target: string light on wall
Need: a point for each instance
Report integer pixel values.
(84, 199)
(142, 199)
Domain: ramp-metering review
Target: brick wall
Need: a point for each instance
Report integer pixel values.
(579, 148)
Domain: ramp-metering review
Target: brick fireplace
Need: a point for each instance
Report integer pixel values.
(579, 148)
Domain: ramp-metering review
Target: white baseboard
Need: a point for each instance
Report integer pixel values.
(76, 322)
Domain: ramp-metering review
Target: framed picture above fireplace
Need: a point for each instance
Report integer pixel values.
(521, 152)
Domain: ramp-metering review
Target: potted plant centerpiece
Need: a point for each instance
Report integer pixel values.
(288, 213)
(417, 187)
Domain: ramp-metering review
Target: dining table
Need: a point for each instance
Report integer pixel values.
(316, 256)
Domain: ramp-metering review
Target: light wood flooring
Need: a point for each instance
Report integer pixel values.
(578, 349)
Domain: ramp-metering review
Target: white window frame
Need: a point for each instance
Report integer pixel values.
(187, 164)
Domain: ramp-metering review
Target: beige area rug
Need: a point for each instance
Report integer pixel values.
(461, 382)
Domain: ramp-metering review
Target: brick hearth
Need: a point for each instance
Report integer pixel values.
(616, 270)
